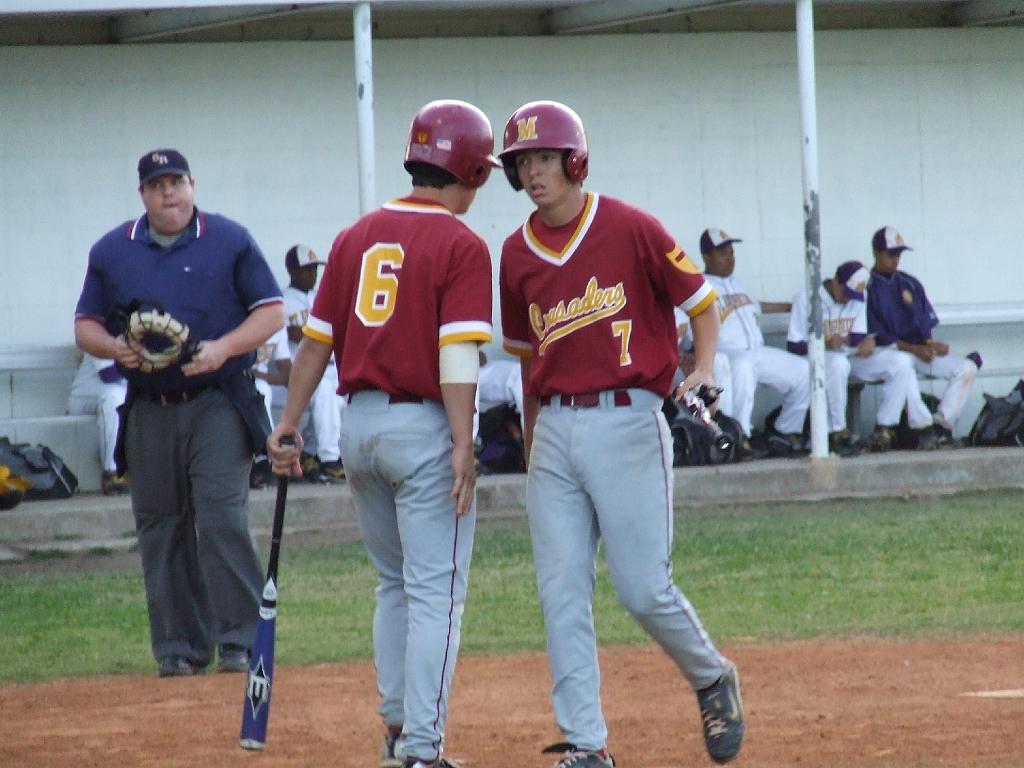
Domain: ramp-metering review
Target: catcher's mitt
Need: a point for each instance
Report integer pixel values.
(12, 488)
(164, 340)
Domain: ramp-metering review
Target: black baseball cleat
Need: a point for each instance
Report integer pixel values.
(332, 471)
(115, 484)
(882, 439)
(390, 753)
(179, 666)
(844, 443)
(721, 712)
(578, 757)
(440, 762)
(786, 445)
(927, 439)
(943, 433)
(310, 467)
(233, 658)
(260, 475)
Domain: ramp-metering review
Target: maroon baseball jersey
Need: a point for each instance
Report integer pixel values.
(399, 283)
(592, 301)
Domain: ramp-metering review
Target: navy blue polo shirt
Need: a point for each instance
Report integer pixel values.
(211, 278)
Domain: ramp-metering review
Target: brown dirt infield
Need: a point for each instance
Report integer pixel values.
(820, 703)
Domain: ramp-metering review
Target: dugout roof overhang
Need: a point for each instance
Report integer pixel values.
(111, 22)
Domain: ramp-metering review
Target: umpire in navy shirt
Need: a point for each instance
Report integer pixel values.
(187, 432)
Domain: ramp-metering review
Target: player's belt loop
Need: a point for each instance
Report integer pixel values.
(621, 399)
(618, 398)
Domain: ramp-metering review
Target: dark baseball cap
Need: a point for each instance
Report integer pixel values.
(301, 256)
(888, 239)
(854, 277)
(162, 162)
(713, 237)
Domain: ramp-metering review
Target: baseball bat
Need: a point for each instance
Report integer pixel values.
(697, 402)
(256, 706)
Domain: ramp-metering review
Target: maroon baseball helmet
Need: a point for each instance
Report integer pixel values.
(545, 125)
(456, 136)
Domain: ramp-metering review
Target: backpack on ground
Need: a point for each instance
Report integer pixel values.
(501, 441)
(692, 443)
(49, 476)
(1001, 420)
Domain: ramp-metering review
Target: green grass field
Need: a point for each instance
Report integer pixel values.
(893, 567)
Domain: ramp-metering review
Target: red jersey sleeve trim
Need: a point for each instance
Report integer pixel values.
(455, 338)
(700, 301)
(518, 348)
(316, 335)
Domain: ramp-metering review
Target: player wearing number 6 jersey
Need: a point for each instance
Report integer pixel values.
(588, 285)
(404, 302)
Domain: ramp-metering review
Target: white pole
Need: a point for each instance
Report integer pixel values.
(362, 38)
(812, 224)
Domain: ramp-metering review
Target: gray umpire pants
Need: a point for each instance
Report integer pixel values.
(189, 465)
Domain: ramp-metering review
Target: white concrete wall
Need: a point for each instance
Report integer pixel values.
(919, 129)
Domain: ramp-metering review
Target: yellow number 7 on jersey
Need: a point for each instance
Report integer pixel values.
(378, 290)
(622, 329)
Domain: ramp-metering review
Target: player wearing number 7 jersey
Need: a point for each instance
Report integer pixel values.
(404, 302)
(588, 285)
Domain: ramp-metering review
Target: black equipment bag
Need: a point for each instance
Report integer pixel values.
(692, 442)
(50, 477)
(1001, 420)
(501, 441)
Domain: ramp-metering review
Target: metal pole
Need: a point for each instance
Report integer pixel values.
(362, 38)
(812, 224)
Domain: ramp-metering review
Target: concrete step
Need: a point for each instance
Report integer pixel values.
(93, 521)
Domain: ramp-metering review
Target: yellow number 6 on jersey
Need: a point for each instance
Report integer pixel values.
(378, 290)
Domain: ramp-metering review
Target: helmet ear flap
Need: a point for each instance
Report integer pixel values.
(511, 173)
(574, 163)
(546, 125)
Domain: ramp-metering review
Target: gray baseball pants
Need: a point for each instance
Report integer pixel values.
(189, 466)
(605, 474)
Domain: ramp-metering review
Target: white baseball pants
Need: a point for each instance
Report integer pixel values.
(102, 400)
(267, 391)
(960, 373)
(837, 377)
(899, 385)
(781, 370)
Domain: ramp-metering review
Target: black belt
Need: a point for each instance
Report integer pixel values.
(175, 396)
(393, 399)
(587, 399)
(404, 399)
